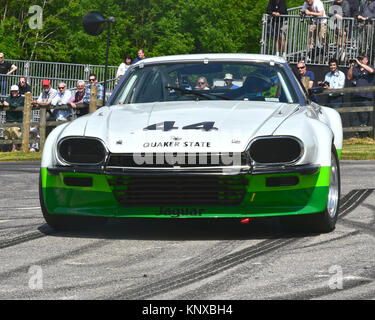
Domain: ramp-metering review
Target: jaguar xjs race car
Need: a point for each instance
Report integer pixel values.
(197, 136)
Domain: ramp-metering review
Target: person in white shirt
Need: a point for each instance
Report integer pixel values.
(122, 68)
(62, 97)
(314, 9)
(334, 79)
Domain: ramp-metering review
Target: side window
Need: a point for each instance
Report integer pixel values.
(152, 88)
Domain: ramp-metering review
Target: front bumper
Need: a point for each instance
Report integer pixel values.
(185, 194)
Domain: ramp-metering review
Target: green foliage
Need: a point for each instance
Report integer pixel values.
(161, 27)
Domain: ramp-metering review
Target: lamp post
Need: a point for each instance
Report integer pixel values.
(94, 24)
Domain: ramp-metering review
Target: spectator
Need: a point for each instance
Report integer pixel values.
(47, 94)
(305, 75)
(367, 10)
(15, 100)
(228, 79)
(341, 10)
(78, 98)
(354, 12)
(93, 81)
(362, 75)
(122, 68)
(354, 8)
(141, 55)
(315, 9)
(6, 68)
(24, 86)
(34, 135)
(279, 25)
(366, 13)
(334, 79)
(202, 84)
(62, 98)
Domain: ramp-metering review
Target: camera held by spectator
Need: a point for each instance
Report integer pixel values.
(323, 84)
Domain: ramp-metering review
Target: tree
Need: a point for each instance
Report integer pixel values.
(161, 27)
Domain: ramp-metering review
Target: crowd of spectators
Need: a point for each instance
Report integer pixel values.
(360, 74)
(77, 105)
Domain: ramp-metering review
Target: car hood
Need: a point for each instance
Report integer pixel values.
(201, 126)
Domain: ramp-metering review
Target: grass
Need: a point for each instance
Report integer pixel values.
(20, 156)
(358, 149)
(353, 149)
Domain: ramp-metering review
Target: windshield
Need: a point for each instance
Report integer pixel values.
(246, 81)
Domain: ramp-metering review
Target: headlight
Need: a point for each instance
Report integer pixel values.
(82, 151)
(275, 150)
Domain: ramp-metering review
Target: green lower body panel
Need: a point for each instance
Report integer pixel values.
(206, 197)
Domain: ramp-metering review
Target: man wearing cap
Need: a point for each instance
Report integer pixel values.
(46, 95)
(228, 79)
(15, 100)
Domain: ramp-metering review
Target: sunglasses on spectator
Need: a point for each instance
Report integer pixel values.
(200, 82)
(301, 67)
(61, 87)
(92, 80)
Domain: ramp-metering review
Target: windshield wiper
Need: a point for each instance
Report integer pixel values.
(198, 93)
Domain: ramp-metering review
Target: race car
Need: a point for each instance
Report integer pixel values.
(177, 141)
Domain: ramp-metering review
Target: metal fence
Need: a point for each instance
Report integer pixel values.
(36, 71)
(316, 40)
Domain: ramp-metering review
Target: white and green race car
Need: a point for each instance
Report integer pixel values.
(197, 136)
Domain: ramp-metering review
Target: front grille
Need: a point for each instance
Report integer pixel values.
(179, 190)
(183, 160)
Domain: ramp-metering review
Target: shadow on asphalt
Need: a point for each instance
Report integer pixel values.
(181, 229)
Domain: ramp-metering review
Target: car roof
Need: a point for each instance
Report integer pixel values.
(213, 57)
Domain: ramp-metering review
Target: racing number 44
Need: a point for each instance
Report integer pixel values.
(169, 125)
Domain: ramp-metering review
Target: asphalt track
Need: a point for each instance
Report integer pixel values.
(185, 260)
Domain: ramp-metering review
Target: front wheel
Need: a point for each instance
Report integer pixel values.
(323, 221)
(326, 220)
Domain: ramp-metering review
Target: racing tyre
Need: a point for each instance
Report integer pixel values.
(67, 222)
(324, 221)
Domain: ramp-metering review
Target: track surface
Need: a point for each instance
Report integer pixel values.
(152, 259)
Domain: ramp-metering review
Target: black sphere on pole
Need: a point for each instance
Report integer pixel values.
(94, 24)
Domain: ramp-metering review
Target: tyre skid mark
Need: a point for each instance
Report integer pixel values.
(53, 260)
(20, 227)
(349, 202)
(354, 200)
(204, 271)
(26, 236)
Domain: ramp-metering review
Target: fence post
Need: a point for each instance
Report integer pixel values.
(93, 98)
(42, 122)
(373, 118)
(26, 123)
